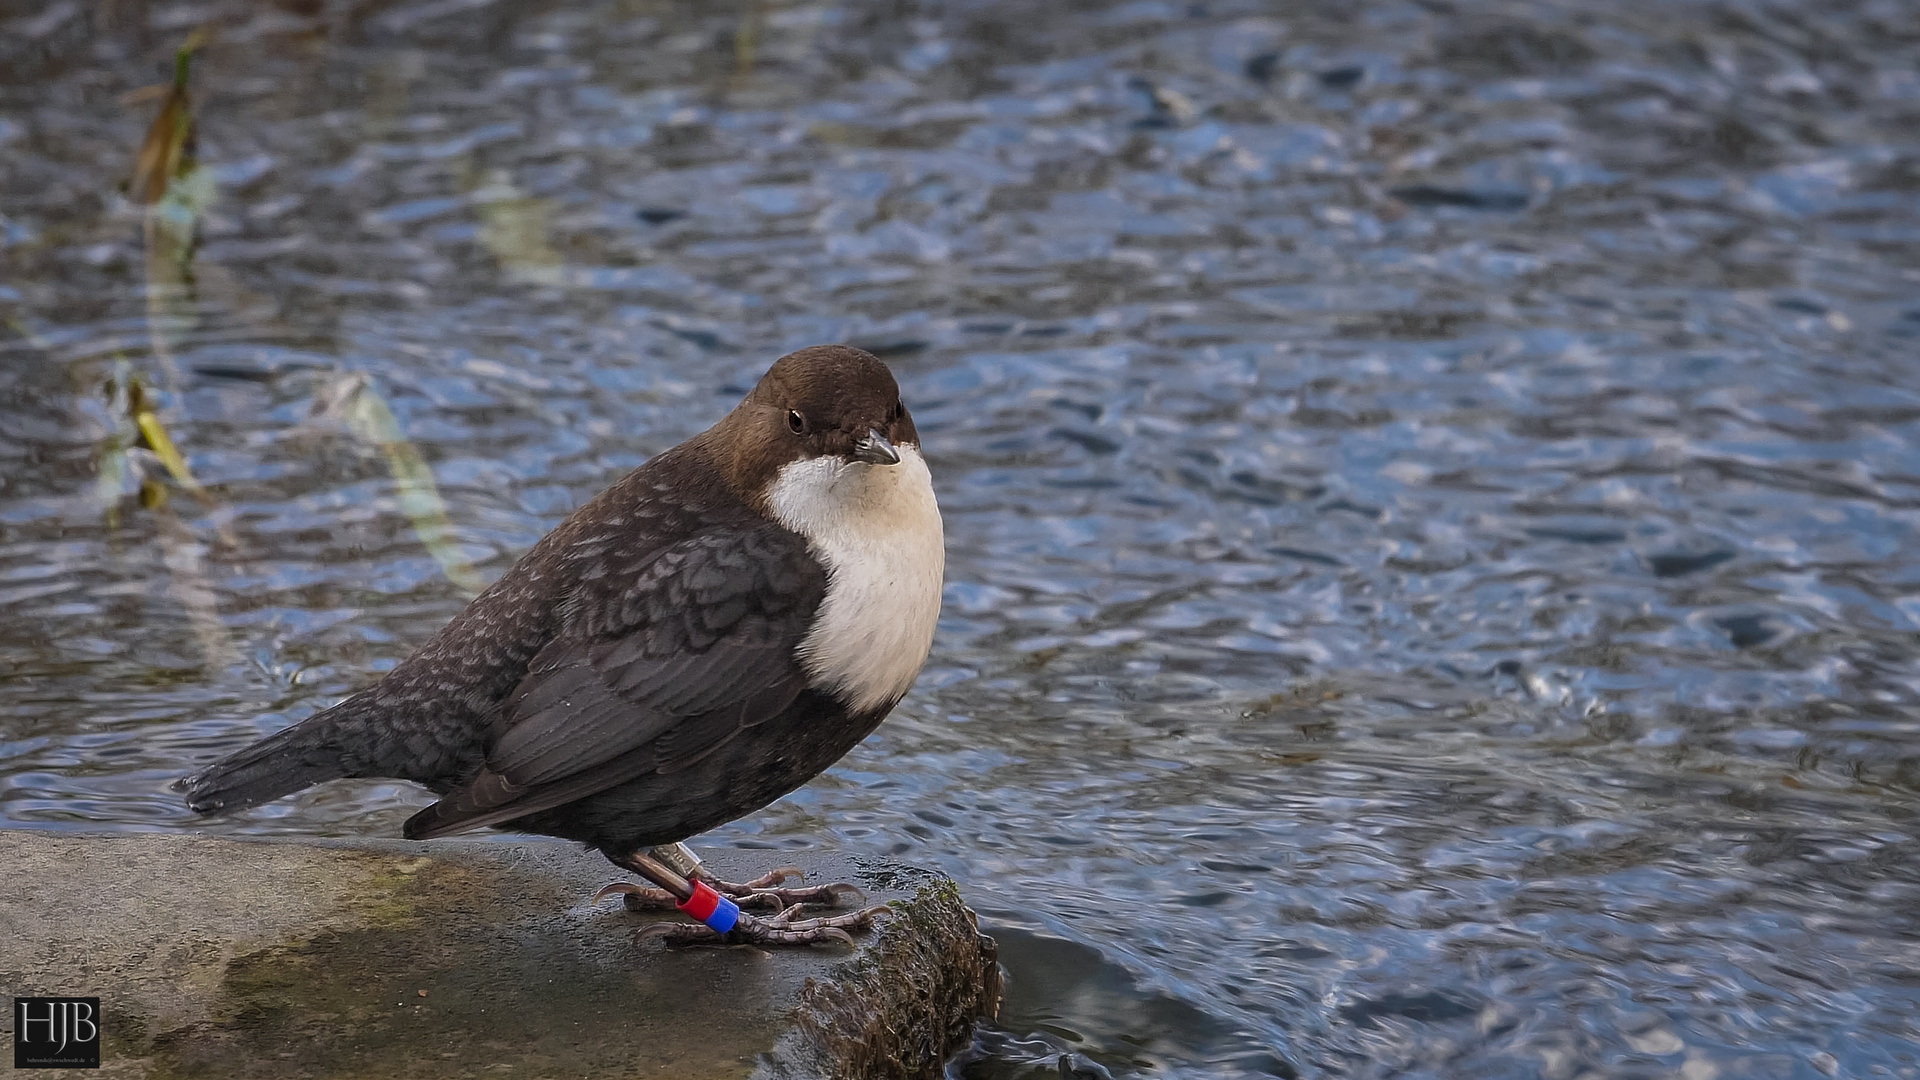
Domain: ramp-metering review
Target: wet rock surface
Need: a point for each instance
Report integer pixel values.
(221, 958)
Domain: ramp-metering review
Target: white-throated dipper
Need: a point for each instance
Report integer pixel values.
(698, 640)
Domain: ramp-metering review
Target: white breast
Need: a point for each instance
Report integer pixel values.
(877, 530)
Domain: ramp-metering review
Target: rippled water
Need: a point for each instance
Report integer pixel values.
(1430, 487)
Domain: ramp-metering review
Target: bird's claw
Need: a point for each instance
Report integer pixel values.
(776, 876)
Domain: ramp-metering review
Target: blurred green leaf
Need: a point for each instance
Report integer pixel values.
(176, 191)
(167, 151)
(140, 408)
(746, 39)
(356, 402)
(514, 228)
(185, 559)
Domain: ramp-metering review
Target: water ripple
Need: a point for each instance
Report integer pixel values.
(1430, 494)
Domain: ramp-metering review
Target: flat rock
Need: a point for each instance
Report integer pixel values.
(244, 958)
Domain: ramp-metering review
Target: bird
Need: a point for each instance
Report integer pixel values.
(703, 637)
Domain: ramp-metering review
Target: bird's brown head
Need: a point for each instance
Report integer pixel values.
(824, 401)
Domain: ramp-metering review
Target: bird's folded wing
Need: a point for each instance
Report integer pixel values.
(655, 676)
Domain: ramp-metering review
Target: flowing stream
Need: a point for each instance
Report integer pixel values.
(1430, 487)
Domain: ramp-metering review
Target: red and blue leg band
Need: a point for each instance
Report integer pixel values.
(711, 908)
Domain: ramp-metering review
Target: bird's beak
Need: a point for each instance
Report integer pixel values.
(874, 449)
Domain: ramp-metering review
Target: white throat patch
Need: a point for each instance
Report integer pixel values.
(877, 530)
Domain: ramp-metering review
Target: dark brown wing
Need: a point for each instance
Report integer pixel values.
(650, 679)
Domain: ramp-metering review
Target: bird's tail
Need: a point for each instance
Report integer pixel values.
(302, 755)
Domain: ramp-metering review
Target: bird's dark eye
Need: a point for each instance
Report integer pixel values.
(796, 423)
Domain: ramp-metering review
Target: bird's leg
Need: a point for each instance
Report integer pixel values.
(722, 921)
(762, 893)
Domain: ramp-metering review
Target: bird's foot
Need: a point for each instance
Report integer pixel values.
(784, 928)
(762, 893)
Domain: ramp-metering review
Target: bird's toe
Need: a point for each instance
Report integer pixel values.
(636, 897)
